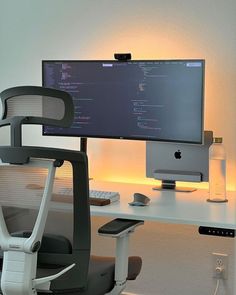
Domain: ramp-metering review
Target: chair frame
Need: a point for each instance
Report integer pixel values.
(76, 264)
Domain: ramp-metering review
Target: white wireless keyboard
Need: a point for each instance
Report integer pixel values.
(112, 196)
(96, 197)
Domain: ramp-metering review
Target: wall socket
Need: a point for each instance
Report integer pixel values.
(220, 261)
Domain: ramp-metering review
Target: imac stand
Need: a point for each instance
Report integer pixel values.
(171, 185)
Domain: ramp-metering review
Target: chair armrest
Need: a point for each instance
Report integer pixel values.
(119, 227)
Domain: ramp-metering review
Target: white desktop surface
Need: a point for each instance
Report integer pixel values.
(168, 206)
(165, 206)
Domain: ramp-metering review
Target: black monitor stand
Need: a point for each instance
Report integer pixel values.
(83, 147)
(83, 144)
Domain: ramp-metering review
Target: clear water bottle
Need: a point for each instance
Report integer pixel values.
(217, 171)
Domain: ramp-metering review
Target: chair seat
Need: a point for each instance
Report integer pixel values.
(101, 269)
(101, 274)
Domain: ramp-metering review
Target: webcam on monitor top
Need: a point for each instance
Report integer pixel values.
(122, 56)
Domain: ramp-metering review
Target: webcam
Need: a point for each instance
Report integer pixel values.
(122, 56)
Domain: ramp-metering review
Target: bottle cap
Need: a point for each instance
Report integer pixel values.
(217, 140)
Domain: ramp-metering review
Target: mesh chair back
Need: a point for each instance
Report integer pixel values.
(55, 108)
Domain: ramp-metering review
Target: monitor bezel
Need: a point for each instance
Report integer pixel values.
(133, 61)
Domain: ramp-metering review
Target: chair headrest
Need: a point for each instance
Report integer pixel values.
(35, 105)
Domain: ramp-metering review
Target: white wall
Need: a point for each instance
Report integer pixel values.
(75, 29)
(33, 30)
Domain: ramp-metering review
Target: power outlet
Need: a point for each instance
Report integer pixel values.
(220, 266)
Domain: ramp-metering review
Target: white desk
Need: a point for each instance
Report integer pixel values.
(165, 206)
(181, 208)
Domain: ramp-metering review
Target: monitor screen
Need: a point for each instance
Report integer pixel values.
(141, 99)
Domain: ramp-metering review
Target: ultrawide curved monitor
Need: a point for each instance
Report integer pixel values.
(141, 99)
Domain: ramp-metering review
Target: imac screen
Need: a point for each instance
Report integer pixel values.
(141, 99)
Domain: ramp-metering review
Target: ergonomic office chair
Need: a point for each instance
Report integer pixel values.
(39, 263)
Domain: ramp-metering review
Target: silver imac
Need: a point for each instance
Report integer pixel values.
(171, 162)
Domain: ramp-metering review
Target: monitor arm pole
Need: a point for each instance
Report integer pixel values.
(83, 144)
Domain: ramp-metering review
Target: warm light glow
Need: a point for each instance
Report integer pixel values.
(158, 39)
